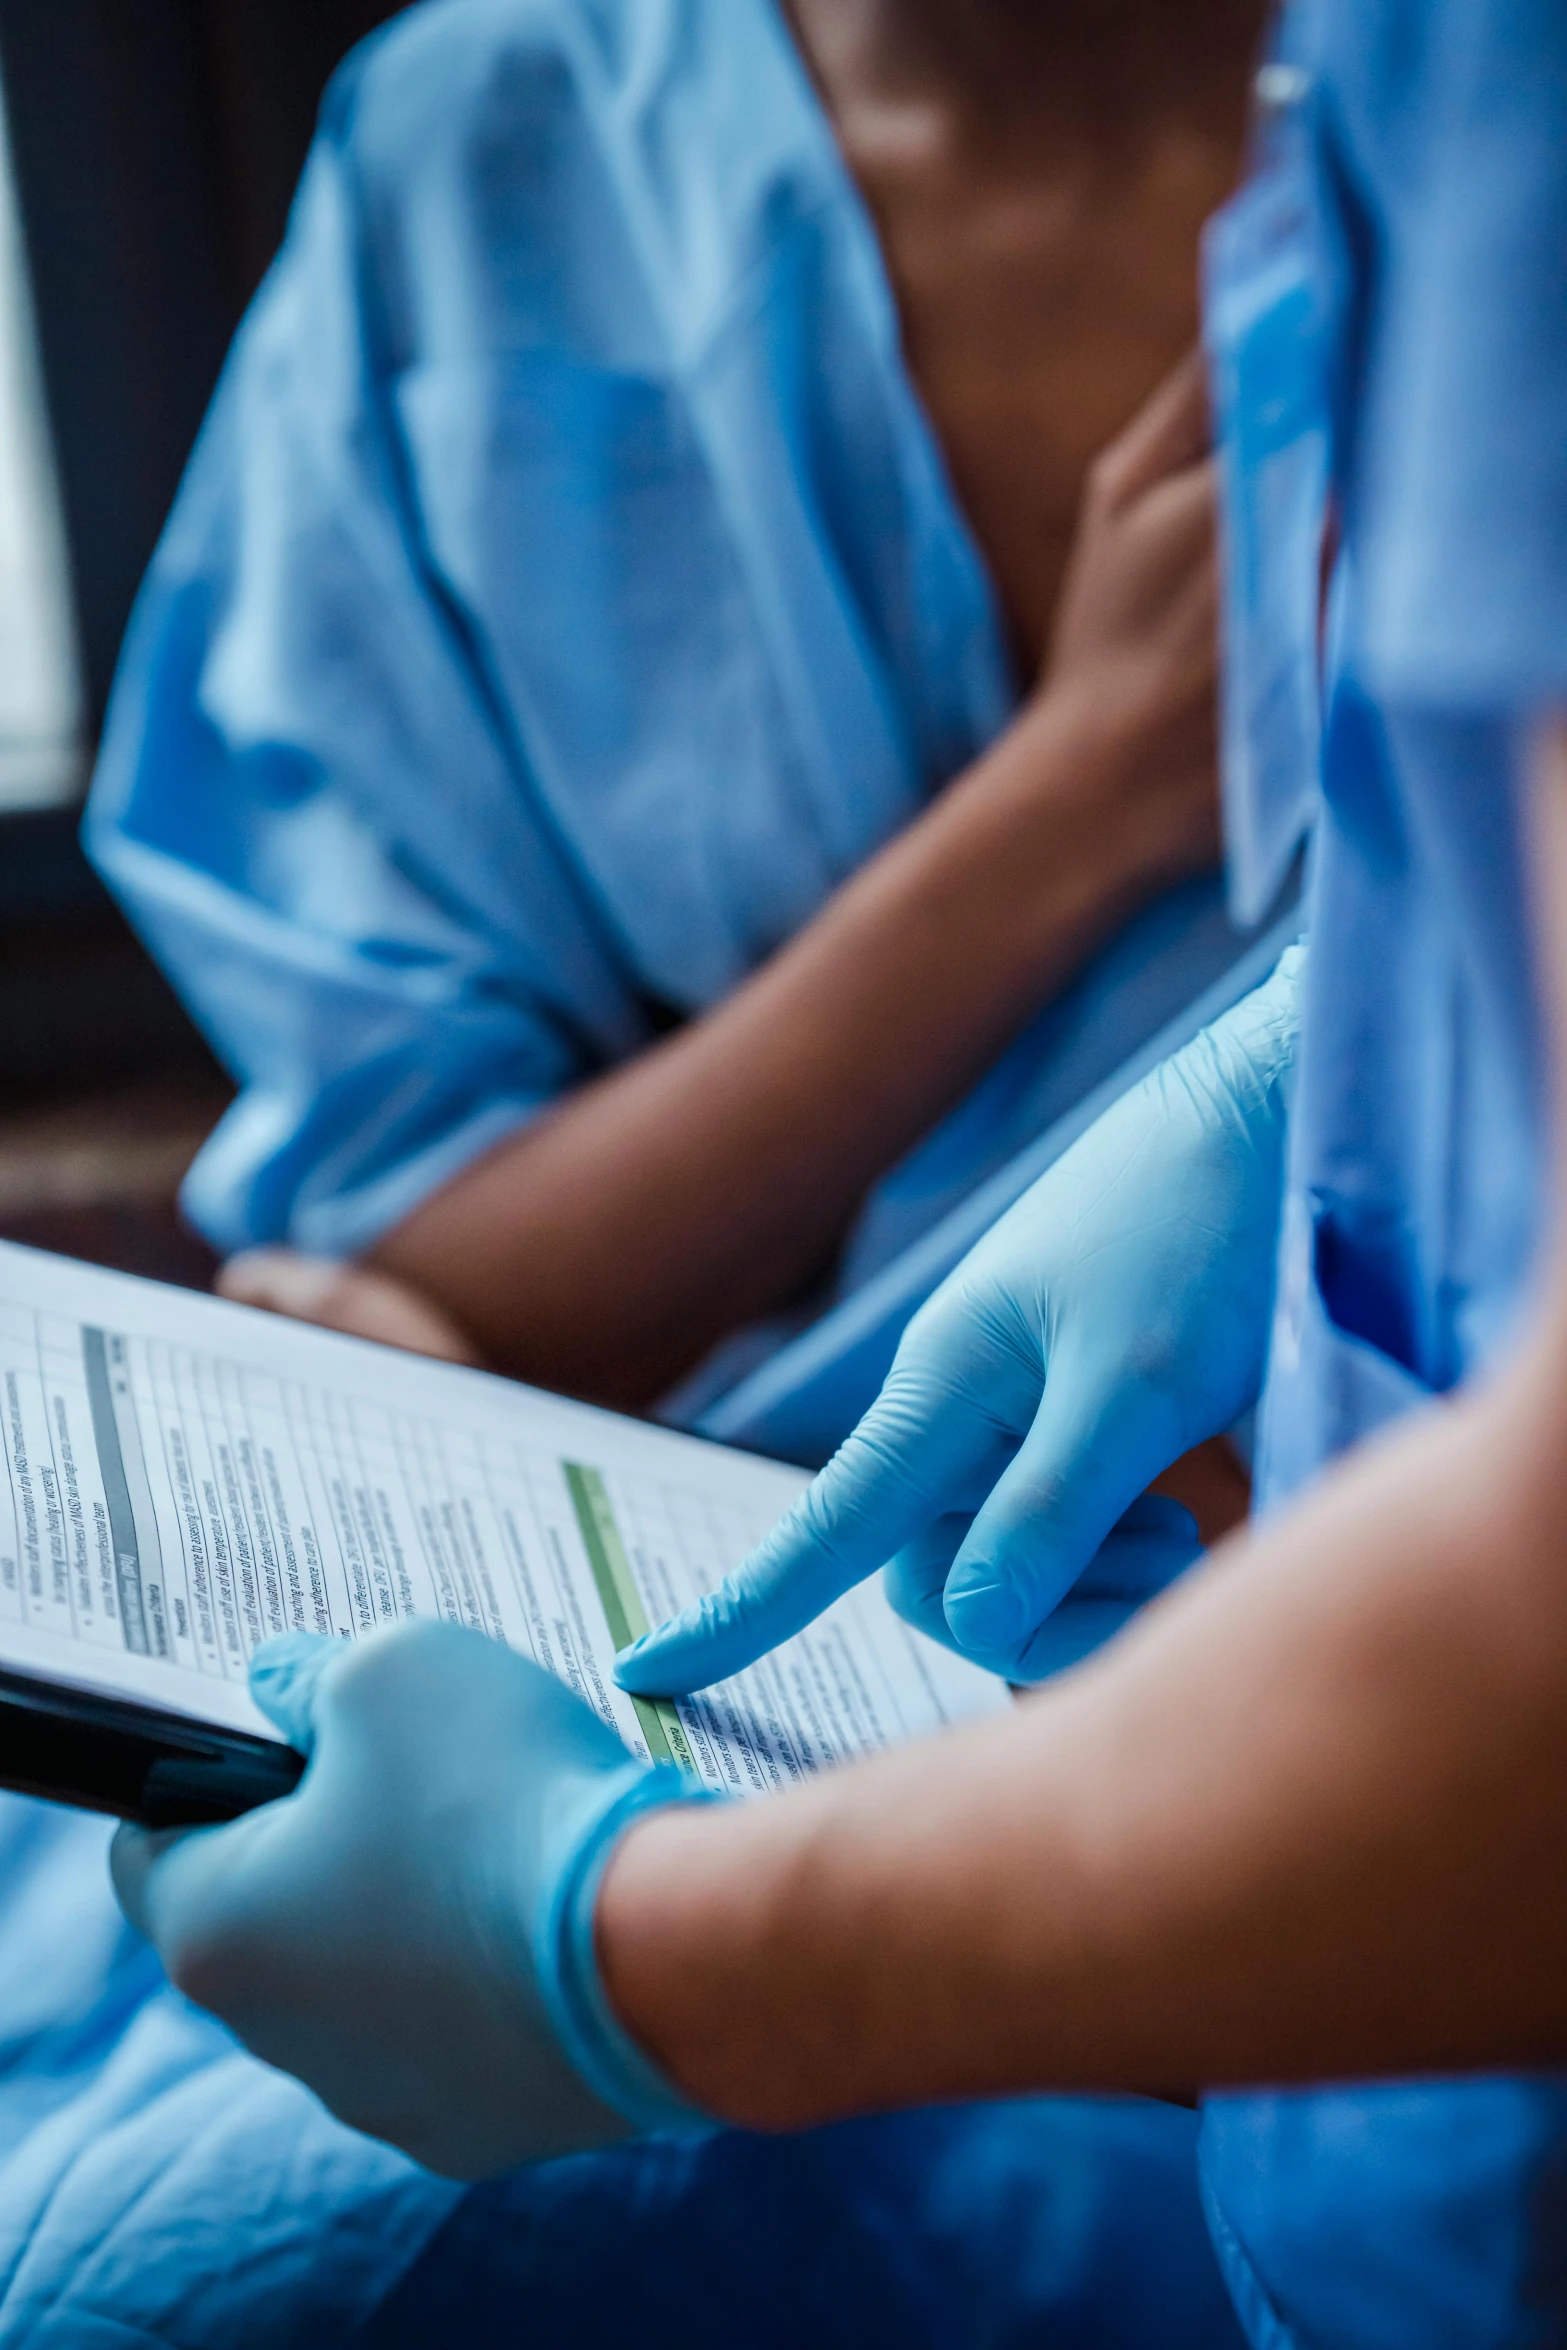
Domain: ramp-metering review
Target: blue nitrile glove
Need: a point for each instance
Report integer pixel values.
(1112, 1319)
(411, 1931)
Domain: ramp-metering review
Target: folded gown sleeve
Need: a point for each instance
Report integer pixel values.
(312, 798)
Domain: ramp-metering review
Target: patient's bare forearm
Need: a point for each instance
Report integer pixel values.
(603, 1248)
(1307, 1820)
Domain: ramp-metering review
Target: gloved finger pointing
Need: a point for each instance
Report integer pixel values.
(916, 1448)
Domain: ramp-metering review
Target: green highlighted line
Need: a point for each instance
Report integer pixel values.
(622, 1605)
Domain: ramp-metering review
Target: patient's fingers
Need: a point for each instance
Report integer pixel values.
(355, 1299)
(1171, 431)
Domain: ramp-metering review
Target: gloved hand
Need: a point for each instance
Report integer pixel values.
(1115, 1317)
(411, 1931)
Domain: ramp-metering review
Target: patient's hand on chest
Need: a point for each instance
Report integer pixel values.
(1038, 184)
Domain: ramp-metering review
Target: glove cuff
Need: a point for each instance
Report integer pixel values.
(589, 2031)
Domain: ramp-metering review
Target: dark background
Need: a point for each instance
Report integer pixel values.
(156, 146)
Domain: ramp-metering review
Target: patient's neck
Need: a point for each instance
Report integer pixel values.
(1038, 175)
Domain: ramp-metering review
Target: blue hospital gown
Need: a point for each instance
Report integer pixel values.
(565, 596)
(1431, 139)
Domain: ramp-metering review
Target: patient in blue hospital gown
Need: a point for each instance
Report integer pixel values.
(569, 595)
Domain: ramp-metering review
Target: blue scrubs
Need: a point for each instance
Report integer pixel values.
(1424, 144)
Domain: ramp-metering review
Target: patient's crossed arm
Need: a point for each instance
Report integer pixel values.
(604, 1247)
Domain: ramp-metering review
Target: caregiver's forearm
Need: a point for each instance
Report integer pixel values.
(604, 1247)
(1306, 1820)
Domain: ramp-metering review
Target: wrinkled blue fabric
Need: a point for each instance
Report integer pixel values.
(565, 596)
(156, 2186)
(1065, 2223)
(1399, 2217)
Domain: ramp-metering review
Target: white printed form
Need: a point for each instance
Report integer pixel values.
(185, 1479)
